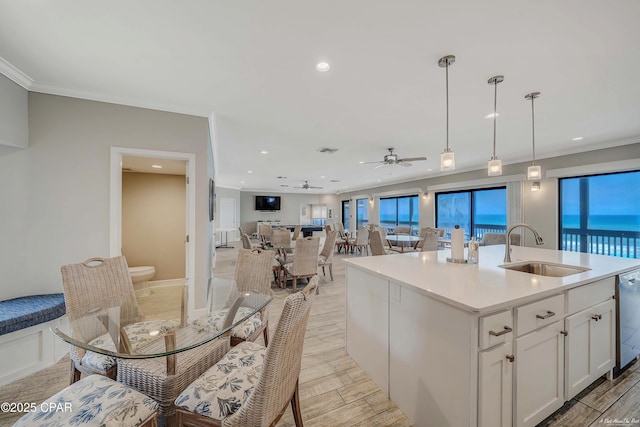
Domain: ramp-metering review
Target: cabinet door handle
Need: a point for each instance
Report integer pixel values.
(565, 333)
(506, 330)
(511, 358)
(596, 317)
(545, 316)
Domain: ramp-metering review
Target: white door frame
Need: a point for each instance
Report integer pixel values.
(115, 217)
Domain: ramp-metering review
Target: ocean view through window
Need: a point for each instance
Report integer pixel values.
(396, 211)
(600, 214)
(362, 212)
(475, 211)
(346, 208)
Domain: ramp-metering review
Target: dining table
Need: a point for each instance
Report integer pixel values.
(136, 335)
(401, 239)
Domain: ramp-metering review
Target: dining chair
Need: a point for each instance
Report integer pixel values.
(281, 239)
(93, 281)
(361, 241)
(305, 261)
(377, 245)
(490, 239)
(325, 259)
(296, 232)
(264, 232)
(252, 273)
(253, 385)
(430, 241)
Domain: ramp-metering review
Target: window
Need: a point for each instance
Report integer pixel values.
(362, 212)
(346, 208)
(599, 214)
(475, 211)
(400, 211)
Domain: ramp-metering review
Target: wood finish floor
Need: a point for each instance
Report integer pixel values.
(334, 391)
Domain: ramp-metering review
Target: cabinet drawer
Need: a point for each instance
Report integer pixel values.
(540, 313)
(588, 295)
(495, 329)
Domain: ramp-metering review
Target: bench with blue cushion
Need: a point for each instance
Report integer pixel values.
(23, 312)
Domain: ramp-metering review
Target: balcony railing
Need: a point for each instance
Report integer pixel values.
(624, 244)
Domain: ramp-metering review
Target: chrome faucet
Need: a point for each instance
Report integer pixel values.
(507, 246)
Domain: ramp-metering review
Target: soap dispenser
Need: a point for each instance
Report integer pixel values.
(473, 251)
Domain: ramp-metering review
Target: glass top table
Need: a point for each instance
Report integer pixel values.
(117, 327)
(401, 239)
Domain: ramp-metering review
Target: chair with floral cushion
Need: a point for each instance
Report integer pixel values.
(93, 281)
(253, 273)
(253, 385)
(94, 401)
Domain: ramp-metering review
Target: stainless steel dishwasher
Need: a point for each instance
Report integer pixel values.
(628, 319)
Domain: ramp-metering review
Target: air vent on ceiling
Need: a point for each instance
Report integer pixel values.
(327, 150)
(335, 180)
(283, 185)
(281, 177)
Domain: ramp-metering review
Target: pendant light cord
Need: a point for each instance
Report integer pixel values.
(495, 103)
(533, 129)
(447, 73)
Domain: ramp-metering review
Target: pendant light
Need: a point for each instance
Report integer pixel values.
(447, 158)
(534, 172)
(495, 165)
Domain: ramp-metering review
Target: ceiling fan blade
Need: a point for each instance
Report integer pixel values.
(316, 188)
(366, 163)
(379, 166)
(403, 163)
(412, 159)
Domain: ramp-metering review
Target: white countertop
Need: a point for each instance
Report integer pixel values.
(485, 287)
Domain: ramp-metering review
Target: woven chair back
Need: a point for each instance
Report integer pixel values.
(375, 241)
(246, 243)
(362, 238)
(329, 243)
(430, 242)
(402, 229)
(264, 230)
(383, 233)
(305, 260)
(281, 238)
(296, 232)
(253, 270)
(281, 368)
(91, 284)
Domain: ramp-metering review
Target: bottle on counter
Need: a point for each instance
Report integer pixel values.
(473, 251)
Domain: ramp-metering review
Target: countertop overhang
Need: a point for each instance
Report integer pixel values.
(485, 287)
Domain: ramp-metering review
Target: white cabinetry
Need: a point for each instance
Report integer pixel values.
(539, 374)
(590, 343)
(495, 377)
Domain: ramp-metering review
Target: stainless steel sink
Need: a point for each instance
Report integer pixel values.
(545, 268)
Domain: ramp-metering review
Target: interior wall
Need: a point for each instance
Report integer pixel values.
(59, 191)
(227, 193)
(154, 222)
(289, 213)
(14, 127)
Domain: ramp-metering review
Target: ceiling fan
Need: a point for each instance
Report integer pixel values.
(306, 186)
(392, 159)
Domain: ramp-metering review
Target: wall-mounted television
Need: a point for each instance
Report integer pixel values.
(267, 203)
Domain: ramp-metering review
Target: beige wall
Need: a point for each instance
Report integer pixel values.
(154, 222)
(58, 189)
(14, 128)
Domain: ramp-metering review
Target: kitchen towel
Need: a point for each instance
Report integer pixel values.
(457, 243)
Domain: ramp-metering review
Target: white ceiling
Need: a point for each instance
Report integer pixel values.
(252, 63)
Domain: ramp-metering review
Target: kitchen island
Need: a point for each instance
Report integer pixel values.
(466, 345)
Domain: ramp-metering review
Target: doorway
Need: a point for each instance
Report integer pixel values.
(122, 160)
(227, 222)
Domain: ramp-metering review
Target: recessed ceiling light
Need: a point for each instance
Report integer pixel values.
(379, 180)
(241, 182)
(264, 152)
(490, 115)
(361, 162)
(578, 138)
(321, 176)
(429, 170)
(156, 166)
(249, 171)
(323, 66)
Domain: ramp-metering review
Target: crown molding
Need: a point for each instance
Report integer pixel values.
(92, 96)
(14, 74)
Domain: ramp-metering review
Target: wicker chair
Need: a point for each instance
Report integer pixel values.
(361, 242)
(325, 259)
(402, 229)
(264, 232)
(246, 243)
(296, 232)
(281, 239)
(430, 241)
(305, 261)
(490, 239)
(253, 273)
(91, 282)
(266, 381)
(377, 245)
